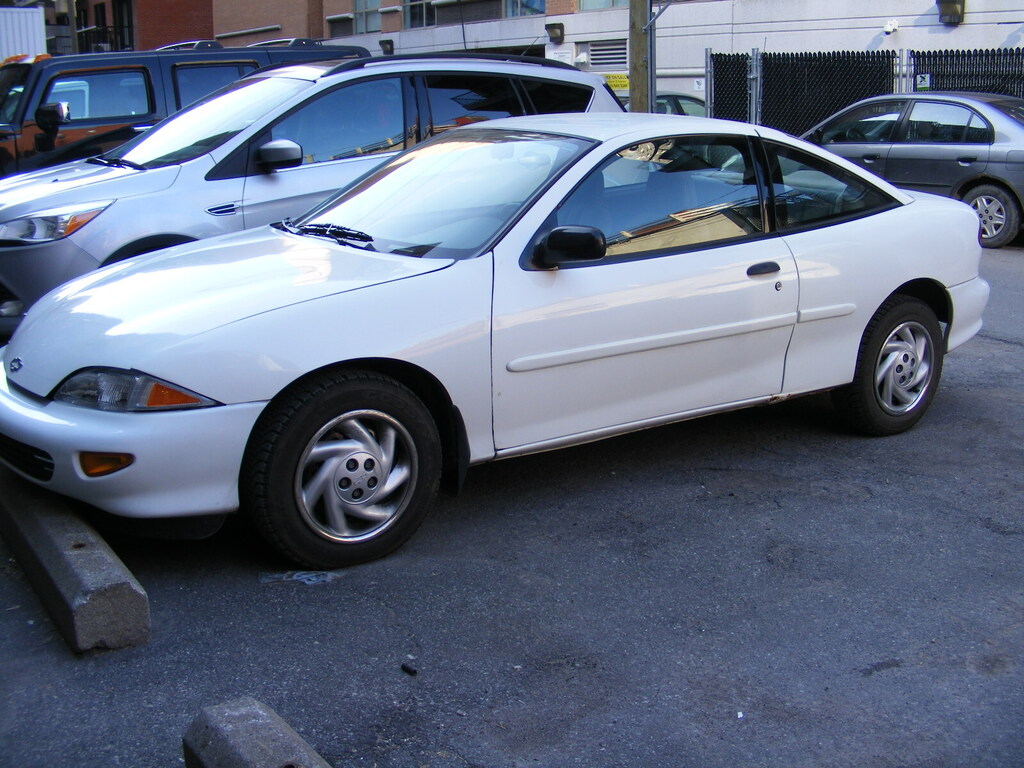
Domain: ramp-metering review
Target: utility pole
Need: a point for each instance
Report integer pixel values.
(639, 62)
(73, 25)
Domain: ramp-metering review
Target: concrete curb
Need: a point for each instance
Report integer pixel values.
(93, 599)
(245, 733)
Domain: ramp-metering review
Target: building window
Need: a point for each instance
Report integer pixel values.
(367, 16)
(524, 7)
(420, 13)
(596, 5)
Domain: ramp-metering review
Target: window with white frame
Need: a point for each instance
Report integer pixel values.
(596, 5)
(525, 7)
(367, 16)
(419, 13)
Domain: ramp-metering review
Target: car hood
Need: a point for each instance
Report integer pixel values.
(78, 182)
(126, 313)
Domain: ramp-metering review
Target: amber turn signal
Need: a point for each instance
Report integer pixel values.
(99, 464)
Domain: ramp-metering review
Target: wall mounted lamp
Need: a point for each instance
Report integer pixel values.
(556, 33)
(951, 12)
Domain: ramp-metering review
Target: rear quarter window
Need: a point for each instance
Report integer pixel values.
(809, 191)
(548, 96)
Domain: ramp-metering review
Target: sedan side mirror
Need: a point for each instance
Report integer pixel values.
(49, 117)
(569, 245)
(280, 153)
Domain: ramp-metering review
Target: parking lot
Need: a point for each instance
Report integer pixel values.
(752, 589)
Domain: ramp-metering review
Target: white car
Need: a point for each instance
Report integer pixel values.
(502, 289)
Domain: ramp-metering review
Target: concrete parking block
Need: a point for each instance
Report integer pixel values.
(94, 600)
(246, 733)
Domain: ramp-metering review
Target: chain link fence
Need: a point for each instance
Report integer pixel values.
(794, 91)
(993, 71)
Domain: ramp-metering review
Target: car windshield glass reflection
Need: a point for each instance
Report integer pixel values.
(451, 197)
(208, 123)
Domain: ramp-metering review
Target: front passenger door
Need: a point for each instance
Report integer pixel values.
(692, 307)
(343, 134)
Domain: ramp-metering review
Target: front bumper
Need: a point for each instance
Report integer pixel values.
(186, 462)
(27, 272)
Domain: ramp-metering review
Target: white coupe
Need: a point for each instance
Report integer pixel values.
(505, 288)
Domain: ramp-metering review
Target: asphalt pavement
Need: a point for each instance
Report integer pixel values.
(751, 589)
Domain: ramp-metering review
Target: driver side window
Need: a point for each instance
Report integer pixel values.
(360, 119)
(669, 195)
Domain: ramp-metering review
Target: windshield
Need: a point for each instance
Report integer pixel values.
(208, 123)
(12, 84)
(452, 196)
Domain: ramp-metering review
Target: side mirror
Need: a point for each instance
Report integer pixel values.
(815, 136)
(280, 153)
(569, 245)
(49, 117)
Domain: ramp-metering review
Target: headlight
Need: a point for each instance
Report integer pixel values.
(112, 390)
(46, 226)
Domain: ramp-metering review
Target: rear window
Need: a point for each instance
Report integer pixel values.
(1013, 109)
(191, 83)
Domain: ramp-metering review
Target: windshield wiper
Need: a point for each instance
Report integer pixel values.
(115, 162)
(336, 232)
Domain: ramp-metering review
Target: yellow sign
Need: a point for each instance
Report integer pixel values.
(617, 82)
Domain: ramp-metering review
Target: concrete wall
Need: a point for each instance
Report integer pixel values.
(22, 30)
(687, 28)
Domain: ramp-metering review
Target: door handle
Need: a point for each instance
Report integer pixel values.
(763, 268)
(871, 158)
(966, 160)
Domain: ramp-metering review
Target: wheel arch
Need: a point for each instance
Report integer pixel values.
(146, 245)
(967, 186)
(932, 293)
(451, 428)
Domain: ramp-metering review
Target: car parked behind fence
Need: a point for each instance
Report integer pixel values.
(263, 148)
(964, 145)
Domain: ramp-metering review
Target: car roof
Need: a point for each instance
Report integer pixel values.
(609, 126)
(970, 96)
(415, 62)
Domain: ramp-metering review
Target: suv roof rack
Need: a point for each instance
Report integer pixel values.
(359, 63)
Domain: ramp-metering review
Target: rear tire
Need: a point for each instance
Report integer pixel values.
(998, 214)
(341, 469)
(898, 369)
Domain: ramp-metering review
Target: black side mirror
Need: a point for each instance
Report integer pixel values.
(280, 153)
(569, 245)
(49, 117)
(815, 136)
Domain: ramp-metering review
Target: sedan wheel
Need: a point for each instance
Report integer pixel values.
(898, 369)
(998, 214)
(341, 469)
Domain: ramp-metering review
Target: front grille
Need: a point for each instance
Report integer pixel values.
(35, 463)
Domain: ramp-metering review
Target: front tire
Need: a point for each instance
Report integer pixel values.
(341, 469)
(898, 369)
(998, 214)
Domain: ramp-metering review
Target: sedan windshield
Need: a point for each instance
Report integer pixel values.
(452, 196)
(208, 123)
